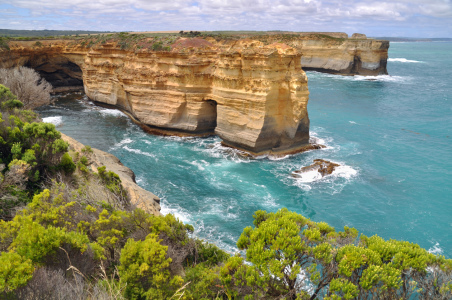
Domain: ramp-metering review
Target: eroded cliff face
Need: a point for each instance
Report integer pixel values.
(253, 96)
(344, 56)
(252, 93)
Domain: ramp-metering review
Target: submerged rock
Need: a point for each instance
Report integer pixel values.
(324, 167)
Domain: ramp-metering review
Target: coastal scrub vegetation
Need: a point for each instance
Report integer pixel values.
(25, 83)
(69, 231)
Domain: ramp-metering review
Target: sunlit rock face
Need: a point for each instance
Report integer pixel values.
(252, 94)
(345, 56)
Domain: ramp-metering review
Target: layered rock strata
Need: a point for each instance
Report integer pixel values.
(345, 56)
(253, 96)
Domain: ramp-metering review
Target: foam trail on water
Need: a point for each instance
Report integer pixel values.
(378, 78)
(57, 120)
(436, 249)
(404, 60)
(112, 112)
(138, 151)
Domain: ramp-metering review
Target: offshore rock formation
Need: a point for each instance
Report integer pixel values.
(324, 167)
(355, 56)
(138, 196)
(253, 94)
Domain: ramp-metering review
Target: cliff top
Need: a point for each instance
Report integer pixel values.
(181, 41)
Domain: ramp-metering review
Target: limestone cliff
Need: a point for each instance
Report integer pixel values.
(345, 56)
(336, 53)
(250, 92)
(253, 96)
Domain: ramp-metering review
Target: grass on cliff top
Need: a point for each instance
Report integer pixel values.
(163, 41)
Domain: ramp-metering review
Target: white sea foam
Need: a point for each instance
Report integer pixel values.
(137, 151)
(57, 120)
(123, 142)
(309, 176)
(436, 249)
(112, 112)
(352, 122)
(200, 164)
(404, 60)
(381, 78)
(308, 180)
(315, 139)
(378, 78)
(176, 211)
(217, 150)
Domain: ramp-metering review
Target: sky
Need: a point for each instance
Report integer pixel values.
(396, 18)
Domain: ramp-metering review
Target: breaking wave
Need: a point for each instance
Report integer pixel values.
(57, 120)
(112, 112)
(404, 60)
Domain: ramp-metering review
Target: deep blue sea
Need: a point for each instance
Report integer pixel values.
(391, 134)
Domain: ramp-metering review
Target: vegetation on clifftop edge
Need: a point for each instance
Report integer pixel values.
(68, 232)
(164, 41)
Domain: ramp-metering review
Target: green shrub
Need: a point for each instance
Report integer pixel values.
(145, 268)
(67, 164)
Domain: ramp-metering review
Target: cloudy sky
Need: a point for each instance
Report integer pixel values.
(409, 18)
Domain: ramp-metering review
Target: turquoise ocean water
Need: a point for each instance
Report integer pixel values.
(391, 134)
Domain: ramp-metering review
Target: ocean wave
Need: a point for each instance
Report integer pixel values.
(112, 112)
(404, 60)
(381, 78)
(217, 150)
(378, 78)
(175, 211)
(200, 164)
(334, 181)
(57, 120)
(137, 151)
(436, 249)
(123, 142)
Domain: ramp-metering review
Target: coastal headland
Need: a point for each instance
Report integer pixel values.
(250, 90)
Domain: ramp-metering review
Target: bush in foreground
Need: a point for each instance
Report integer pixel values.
(32, 90)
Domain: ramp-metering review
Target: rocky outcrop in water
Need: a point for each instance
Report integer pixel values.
(324, 167)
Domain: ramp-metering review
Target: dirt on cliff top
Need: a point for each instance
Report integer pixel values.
(192, 43)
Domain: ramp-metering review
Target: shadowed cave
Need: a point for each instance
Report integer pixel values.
(63, 74)
(207, 119)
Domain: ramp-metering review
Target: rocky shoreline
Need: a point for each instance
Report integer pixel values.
(139, 197)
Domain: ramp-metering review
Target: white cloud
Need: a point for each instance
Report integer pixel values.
(295, 15)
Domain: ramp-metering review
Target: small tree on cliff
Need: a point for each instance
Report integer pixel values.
(32, 90)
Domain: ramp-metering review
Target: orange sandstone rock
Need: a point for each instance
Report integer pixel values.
(253, 96)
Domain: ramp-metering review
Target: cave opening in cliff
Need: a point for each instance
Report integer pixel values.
(63, 74)
(210, 115)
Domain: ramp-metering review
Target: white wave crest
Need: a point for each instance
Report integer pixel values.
(404, 60)
(137, 151)
(112, 112)
(57, 120)
(378, 78)
(123, 142)
(381, 78)
(436, 249)
(177, 212)
(217, 150)
(307, 180)
(200, 164)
